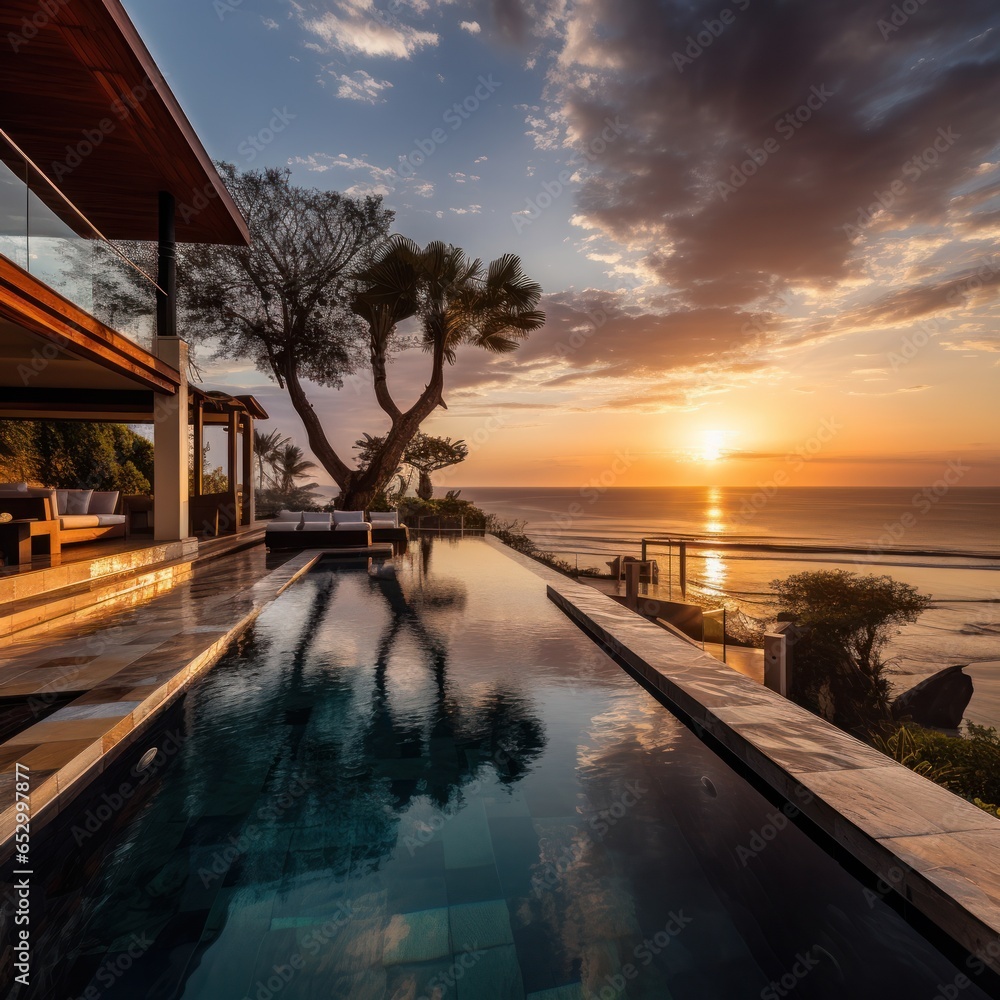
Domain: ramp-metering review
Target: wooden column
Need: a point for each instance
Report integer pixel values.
(199, 447)
(247, 512)
(232, 449)
(166, 269)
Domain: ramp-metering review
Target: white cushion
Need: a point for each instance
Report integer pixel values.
(319, 516)
(106, 520)
(353, 526)
(284, 526)
(73, 501)
(69, 521)
(289, 515)
(315, 525)
(103, 502)
(384, 518)
(14, 487)
(348, 517)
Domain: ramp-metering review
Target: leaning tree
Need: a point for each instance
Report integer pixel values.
(456, 301)
(321, 291)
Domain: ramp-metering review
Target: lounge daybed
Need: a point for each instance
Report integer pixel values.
(80, 515)
(292, 529)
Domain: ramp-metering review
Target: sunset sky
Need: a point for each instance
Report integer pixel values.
(767, 232)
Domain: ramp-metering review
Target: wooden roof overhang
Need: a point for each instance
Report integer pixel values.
(85, 68)
(126, 406)
(48, 342)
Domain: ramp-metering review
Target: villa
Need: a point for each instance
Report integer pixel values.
(441, 770)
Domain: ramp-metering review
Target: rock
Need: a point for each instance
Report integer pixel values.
(939, 701)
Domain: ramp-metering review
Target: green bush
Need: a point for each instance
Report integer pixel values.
(967, 765)
(411, 509)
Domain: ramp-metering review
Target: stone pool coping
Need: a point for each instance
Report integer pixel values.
(103, 739)
(937, 851)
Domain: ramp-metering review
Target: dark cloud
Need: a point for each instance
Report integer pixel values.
(595, 331)
(904, 115)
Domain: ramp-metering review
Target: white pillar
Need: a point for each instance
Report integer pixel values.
(170, 448)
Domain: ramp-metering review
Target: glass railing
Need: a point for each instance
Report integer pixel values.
(111, 281)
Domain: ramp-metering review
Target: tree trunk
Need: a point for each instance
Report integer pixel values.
(318, 442)
(362, 487)
(425, 488)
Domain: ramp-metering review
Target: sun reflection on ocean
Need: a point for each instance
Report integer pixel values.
(713, 511)
(715, 570)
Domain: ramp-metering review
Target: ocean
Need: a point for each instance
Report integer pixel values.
(943, 540)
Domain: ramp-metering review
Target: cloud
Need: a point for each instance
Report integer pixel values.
(270, 23)
(470, 210)
(727, 197)
(472, 27)
(361, 86)
(358, 27)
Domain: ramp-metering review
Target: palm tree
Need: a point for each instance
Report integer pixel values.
(289, 466)
(266, 449)
(458, 301)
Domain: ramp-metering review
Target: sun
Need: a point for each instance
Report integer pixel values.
(712, 446)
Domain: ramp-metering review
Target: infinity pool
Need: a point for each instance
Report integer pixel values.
(418, 780)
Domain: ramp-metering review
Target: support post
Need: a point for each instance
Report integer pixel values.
(632, 586)
(170, 448)
(199, 447)
(166, 269)
(247, 512)
(683, 556)
(232, 450)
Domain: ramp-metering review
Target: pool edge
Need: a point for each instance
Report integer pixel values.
(59, 789)
(934, 861)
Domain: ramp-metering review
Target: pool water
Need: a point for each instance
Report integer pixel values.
(416, 779)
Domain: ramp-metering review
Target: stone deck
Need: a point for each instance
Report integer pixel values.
(123, 668)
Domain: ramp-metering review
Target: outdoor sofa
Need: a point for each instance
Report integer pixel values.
(292, 529)
(81, 515)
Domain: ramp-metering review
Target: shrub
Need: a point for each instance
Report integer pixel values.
(967, 765)
(846, 621)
